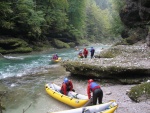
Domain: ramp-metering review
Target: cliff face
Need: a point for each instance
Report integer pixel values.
(136, 13)
(136, 18)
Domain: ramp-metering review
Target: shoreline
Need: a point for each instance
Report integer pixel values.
(112, 92)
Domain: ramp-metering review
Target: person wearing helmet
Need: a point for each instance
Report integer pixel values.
(66, 86)
(80, 55)
(76, 48)
(92, 52)
(96, 90)
(55, 56)
(85, 53)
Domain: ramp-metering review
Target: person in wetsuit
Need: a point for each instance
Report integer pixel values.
(92, 52)
(66, 86)
(85, 53)
(96, 90)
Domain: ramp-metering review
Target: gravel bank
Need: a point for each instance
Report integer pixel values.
(126, 105)
(114, 92)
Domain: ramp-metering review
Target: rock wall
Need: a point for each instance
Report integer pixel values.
(148, 39)
(136, 12)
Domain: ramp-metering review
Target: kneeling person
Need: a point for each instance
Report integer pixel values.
(66, 86)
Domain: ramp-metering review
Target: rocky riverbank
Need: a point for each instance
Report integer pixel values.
(111, 92)
(122, 64)
(125, 64)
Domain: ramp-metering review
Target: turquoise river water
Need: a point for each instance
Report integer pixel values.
(23, 77)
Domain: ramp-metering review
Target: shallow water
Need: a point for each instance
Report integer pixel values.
(23, 91)
(25, 88)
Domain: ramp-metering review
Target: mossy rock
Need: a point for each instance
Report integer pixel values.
(82, 69)
(71, 44)
(110, 53)
(124, 75)
(84, 42)
(140, 92)
(59, 44)
(14, 45)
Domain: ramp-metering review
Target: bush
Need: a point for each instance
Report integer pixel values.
(14, 45)
(140, 92)
(59, 44)
(110, 53)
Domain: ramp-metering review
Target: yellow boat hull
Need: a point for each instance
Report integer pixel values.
(56, 61)
(73, 102)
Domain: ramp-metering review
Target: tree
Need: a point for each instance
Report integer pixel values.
(116, 25)
(5, 21)
(27, 19)
(77, 15)
(98, 23)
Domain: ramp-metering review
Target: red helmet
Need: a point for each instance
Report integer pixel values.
(90, 80)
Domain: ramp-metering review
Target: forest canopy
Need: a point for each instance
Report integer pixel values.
(69, 21)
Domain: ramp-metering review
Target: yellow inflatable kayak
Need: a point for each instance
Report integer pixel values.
(73, 99)
(108, 107)
(58, 60)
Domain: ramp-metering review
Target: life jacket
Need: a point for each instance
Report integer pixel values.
(55, 57)
(94, 86)
(92, 50)
(85, 52)
(66, 87)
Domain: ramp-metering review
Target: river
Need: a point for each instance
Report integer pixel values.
(23, 77)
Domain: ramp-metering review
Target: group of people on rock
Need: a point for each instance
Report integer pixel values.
(85, 53)
(81, 54)
(92, 87)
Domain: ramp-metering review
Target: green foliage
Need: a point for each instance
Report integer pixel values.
(140, 92)
(71, 44)
(28, 19)
(56, 17)
(13, 42)
(14, 45)
(116, 25)
(98, 23)
(22, 50)
(5, 12)
(83, 42)
(73, 32)
(60, 44)
(59, 21)
(76, 20)
(110, 53)
(77, 14)
(135, 35)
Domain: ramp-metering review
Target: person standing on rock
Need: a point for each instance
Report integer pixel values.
(92, 52)
(96, 90)
(85, 53)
